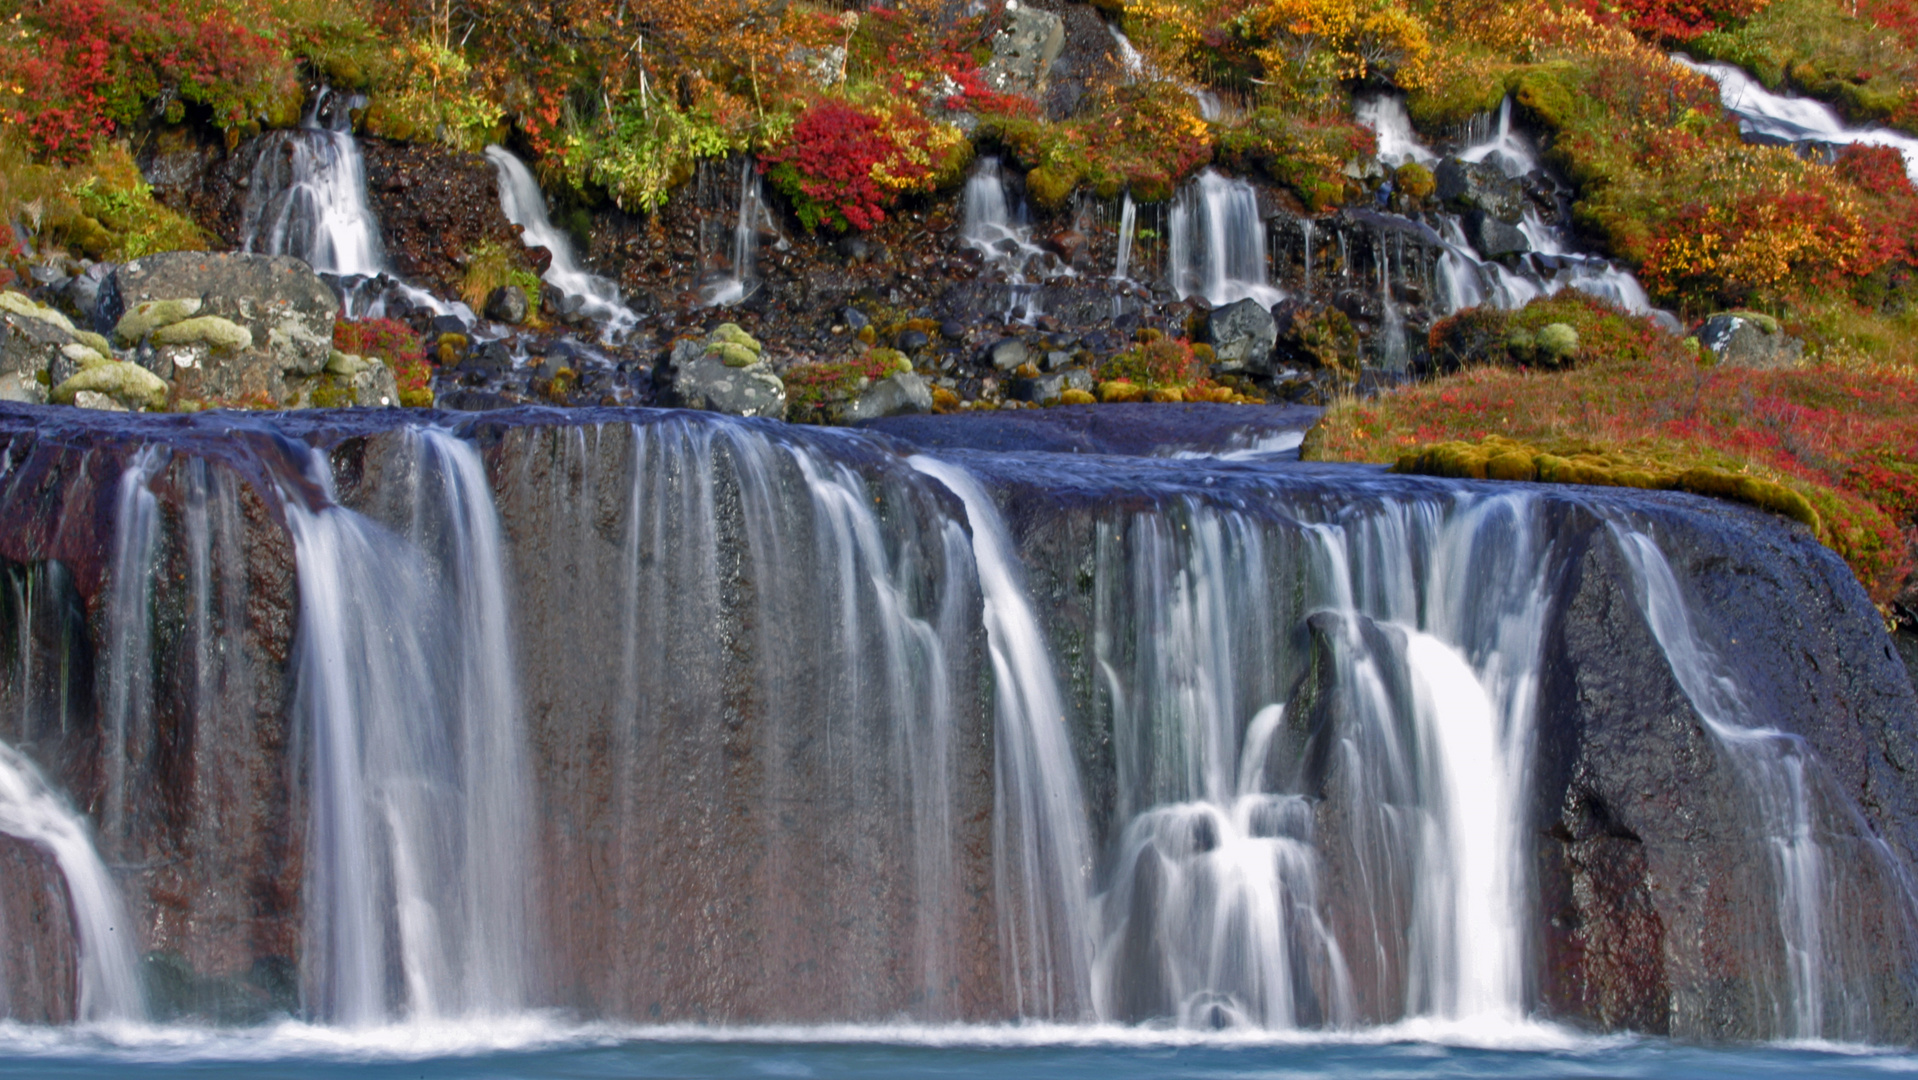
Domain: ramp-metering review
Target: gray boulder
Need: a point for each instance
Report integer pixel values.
(1023, 52)
(1480, 186)
(508, 304)
(1008, 353)
(1750, 340)
(1494, 238)
(698, 376)
(286, 309)
(30, 349)
(904, 394)
(1242, 336)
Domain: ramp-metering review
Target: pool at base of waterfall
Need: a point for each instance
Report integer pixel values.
(536, 1048)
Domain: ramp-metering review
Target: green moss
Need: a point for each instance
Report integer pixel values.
(212, 331)
(151, 315)
(1051, 185)
(129, 384)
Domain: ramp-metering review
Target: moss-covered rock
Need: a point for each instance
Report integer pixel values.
(129, 384)
(144, 318)
(209, 330)
(19, 304)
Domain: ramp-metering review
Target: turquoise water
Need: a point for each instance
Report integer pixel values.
(532, 1049)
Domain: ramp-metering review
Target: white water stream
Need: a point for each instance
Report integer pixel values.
(525, 206)
(1788, 118)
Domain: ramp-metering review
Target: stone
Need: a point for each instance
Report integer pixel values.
(1007, 353)
(1480, 186)
(1746, 339)
(952, 330)
(698, 377)
(1494, 238)
(903, 394)
(285, 308)
(1050, 388)
(215, 333)
(854, 319)
(93, 399)
(1023, 52)
(508, 304)
(151, 315)
(19, 304)
(1243, 334)
(912, 340)
(31, 349)
(129, 384)
(346, 364)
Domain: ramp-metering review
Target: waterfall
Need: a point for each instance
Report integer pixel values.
(1217, 243)
(754, 216)
(1466, 279)
(993, 230)
(109, 967)
(1393, 354)
(417, 883)
(1128, 222)
(307, 194)
(1789, 798)
(1040, 812)
(525, 206)
(1256, 887)
(1305, 243)
(129, 692)
(1796, 120)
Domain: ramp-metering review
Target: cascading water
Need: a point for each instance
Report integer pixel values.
(1468, 280)
(1128, 224)
(1792, 804)
(1216, 243)
(307, 198)
(1044, 862)
(30, 810)
(754, 218)
(129, 651)
(1359, 863)
(1005, 240)
(307, 195)
(1794, 120)
(417, 882)
(524, 205)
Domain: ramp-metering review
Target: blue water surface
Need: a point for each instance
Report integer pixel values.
(529, 1049)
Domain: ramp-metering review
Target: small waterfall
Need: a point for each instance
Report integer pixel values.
(1004, 238)
(1790, 801)
(525, 206)
(1040, 819)
(129, 691)
(1467, 280)
(754, 217)
(1305, 242)
(1217, 243)
(307, 195)
(30, 810)
(417, 882)
(1393, 354)
(1128, 223)
(1796, 120)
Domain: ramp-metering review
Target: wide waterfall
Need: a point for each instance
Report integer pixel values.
(659, 717)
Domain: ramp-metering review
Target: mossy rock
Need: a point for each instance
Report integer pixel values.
(129, 384)
(1415, 180)
(18, 304)
(895, 362)
(345, 364)
(732, 355)
(147, 317)
(1050, 186)
(221, 335)
(1556, 342)
(85, 355)
(730, 333)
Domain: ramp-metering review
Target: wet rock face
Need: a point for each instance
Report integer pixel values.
(1480, 186)
(38, 955)
(1242, 336)
(436, 206)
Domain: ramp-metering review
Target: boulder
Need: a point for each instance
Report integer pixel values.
(1242, 336)
(1493, 237)
(30, 349)
(284, 308)
(1480, 186)
(1750, 340)
(904, 394)
(1023, 52)
(1007, 353)
(706, 373)
(131, 385)
(508, 304)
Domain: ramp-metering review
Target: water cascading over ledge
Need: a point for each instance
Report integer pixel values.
(790, 718)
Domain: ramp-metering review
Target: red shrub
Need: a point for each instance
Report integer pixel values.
(1673, 20)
